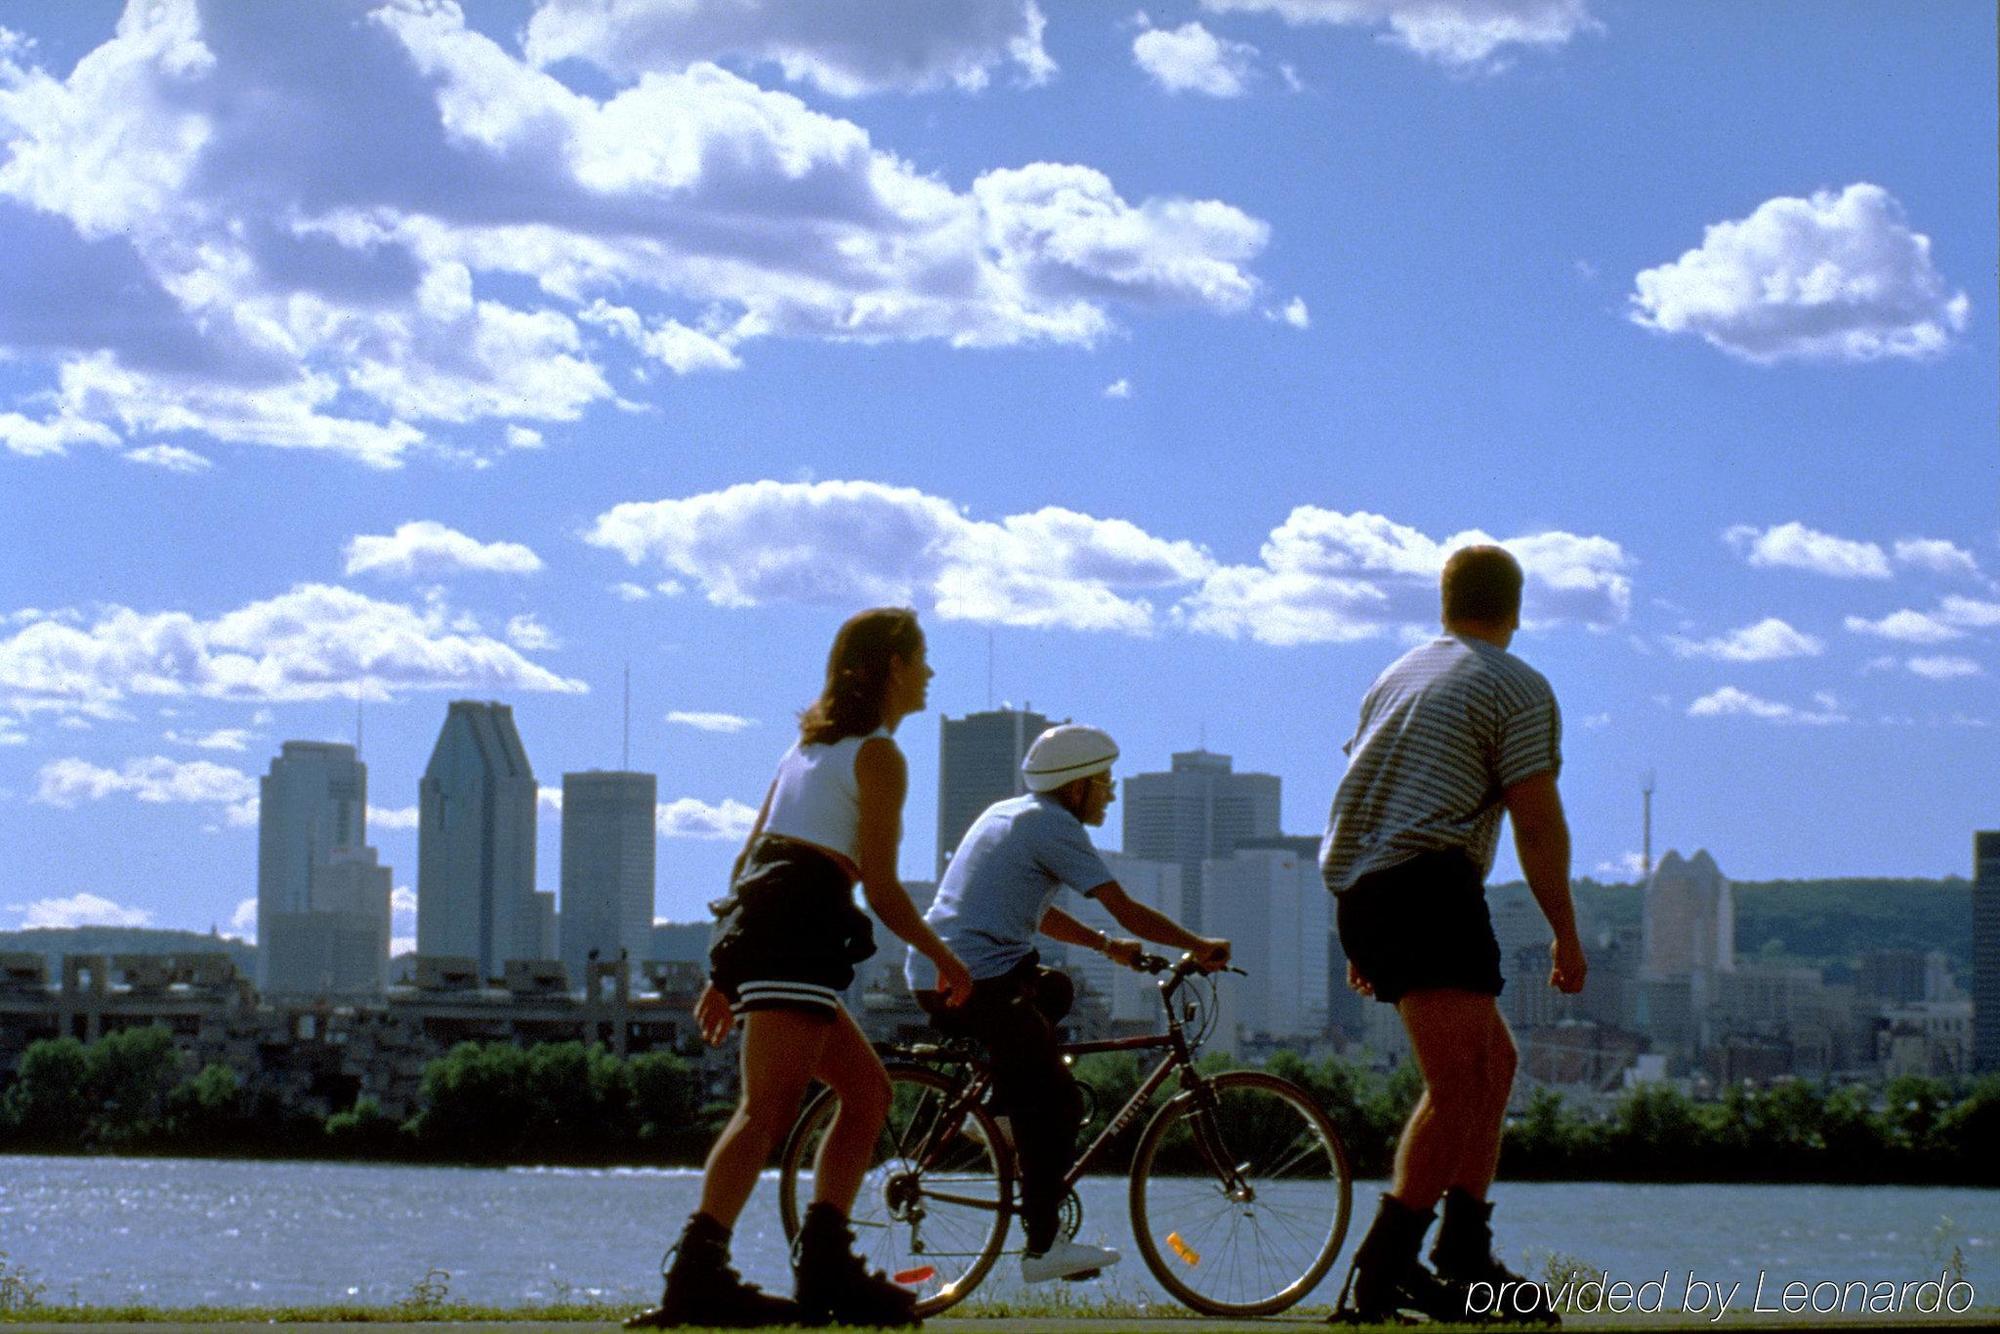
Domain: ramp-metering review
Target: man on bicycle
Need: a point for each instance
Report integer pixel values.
(999, 890)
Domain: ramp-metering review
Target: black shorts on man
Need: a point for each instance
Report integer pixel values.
(1421, 925)
(788, 936)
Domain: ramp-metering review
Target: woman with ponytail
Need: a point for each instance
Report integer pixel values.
(786, 942)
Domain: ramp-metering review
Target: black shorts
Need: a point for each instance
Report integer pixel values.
(788, 936)
(1421, 925)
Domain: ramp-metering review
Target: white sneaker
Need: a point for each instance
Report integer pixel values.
(1065, 1259)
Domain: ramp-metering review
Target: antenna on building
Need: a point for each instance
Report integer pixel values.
(625, 750)
(1646, 831)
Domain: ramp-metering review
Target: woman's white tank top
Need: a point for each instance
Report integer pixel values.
(815, 797)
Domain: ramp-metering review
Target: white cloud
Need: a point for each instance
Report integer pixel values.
(316, 642)
(1455, 33)
(549, 799)
(1729, 702)
(1191, 59)
(852, 542)
(669, 342)
(631, 592)
(1119, 388)
(170, 457)
(222, 738)
(1836, 277)
(1966, 611)
(1769, 640)
(328, 272)
(34, 439)
(1325, 576)
(1632, 864)
(392, 817)
(1936, 555)
(1909, 627)
(79, 909)
(523, 437)
(710, 722)
(401, 945)
(1795, 546)
(155, 779)
(1945, 667)
(426, 549)
(1295, 313)
(530, 635)
(403, 907)
(1328, 577)
(243, 922)
(687, 817)
(844, 47)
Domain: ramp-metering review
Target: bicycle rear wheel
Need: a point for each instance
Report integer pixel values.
(1240, 1199)
(933, 1208)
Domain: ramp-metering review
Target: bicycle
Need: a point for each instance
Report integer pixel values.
(1239, 1192)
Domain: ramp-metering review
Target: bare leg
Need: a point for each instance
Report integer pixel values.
(781, 1049)
(1480, 1159)
(1451, 1033)
(850, 1067)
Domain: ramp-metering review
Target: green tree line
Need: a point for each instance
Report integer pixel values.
(1912, 1130)
(129, 1092)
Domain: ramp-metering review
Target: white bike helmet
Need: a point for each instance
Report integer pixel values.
(1066, 753)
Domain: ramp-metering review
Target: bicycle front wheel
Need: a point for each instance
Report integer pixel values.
(933, 1207)
(1240, 1195)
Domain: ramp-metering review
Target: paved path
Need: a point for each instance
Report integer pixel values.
(1978, 1318)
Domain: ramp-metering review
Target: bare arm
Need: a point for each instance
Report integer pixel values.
(1148, 924)
(712, 1015)
(881, 780)
(1541, 841)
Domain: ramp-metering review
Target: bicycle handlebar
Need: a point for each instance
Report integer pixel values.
(1185, 966)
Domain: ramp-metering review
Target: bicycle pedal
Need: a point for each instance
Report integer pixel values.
(1083, 1276)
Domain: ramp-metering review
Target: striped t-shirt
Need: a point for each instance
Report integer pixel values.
(1443, 731)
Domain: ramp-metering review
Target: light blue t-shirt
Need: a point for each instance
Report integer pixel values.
(1001, 880)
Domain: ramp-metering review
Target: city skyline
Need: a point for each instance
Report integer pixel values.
(1156, 361)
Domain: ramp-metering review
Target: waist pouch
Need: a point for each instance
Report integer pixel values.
(791, 901)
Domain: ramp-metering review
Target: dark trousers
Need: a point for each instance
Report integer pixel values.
(1014, 1017)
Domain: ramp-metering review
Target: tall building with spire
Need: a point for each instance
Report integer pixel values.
(476, 843)
(979, 763)
(322, 899)
(1198, 810)
(609, 849)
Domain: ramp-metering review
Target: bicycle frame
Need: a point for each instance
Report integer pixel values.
(1178, 1057)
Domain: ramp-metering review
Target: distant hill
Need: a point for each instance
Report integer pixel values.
(1820, 921)
(54, 942)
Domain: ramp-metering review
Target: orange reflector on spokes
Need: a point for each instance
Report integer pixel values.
(1188, 1254)
(911, 1277)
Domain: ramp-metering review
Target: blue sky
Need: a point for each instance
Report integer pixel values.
(428, 353)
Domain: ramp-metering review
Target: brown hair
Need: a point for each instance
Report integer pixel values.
(857, 673)
(1481, 583)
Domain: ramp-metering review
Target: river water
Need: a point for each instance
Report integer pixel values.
(178, 1232)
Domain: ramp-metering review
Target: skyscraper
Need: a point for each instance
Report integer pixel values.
(476, 842)
(979, 763)
(608, 853)
(1197, 810)
(1278, 914)
(1986, 951)
(322, 902)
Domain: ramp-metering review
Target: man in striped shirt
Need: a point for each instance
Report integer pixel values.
(1453, 735)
